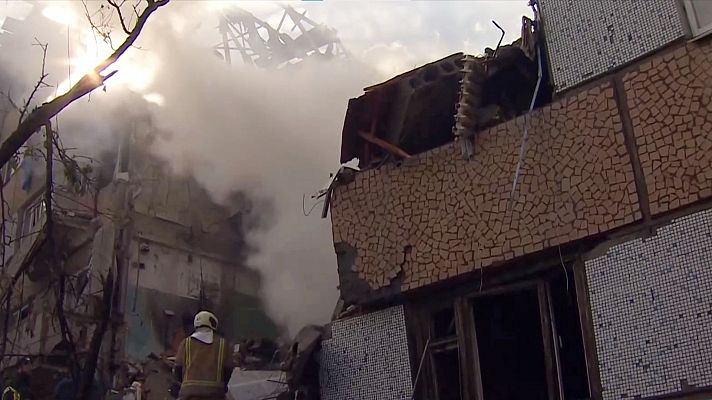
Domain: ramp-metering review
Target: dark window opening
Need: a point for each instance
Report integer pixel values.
(24, 313)
(444, 323)
(569, 338)
(444, 355)
(510, 346)
(446, 362)
(518, 342)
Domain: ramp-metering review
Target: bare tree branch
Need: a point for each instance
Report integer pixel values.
(40, 83)
(14, 105)
(121, 16)
(92, 80)
(103, 27)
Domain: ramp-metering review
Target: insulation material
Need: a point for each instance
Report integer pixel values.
(585, 39)
(367, 358)
(651, 302)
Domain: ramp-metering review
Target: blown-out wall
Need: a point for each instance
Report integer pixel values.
(621, 151)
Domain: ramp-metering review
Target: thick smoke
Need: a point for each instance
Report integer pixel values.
(274, 135)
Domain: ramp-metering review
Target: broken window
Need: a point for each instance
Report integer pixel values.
(568, 337)
(8, 241)
(510, 346)
(445, 355)
(13, 165)
(507, 342)
(34, 218)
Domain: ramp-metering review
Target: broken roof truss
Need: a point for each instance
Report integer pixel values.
(449, 99)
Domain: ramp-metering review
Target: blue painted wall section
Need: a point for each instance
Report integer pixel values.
(150, 330)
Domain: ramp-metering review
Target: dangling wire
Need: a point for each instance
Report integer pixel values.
(304, 210)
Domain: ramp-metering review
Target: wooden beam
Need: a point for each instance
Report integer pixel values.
(589, 340)
(387, 146)
(546, 334)
(555, 340)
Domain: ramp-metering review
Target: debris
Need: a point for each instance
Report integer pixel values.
(341, 175)
(446, 100)
(391, 148)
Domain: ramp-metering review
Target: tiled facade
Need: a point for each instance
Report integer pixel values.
(651, 303)
(437, 215)
(670, 101)
(367, 358)
(604, 34)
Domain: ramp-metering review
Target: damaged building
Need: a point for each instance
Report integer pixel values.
(535, 222)
(170, 249)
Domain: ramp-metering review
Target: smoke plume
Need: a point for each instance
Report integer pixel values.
(274, 135)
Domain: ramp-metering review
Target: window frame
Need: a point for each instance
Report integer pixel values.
(697, 31)
(36, 210)
(10, 237)
(462, 301)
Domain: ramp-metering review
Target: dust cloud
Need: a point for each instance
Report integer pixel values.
(274, 135)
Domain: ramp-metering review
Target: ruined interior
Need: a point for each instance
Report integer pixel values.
(456, 96)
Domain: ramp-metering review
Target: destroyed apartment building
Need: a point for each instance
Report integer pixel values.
(171, 251)
(169, 248)
(486, 251)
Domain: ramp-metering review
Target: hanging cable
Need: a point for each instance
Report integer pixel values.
(522, 147)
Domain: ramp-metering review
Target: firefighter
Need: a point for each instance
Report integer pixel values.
(204, 361)
(20, 388)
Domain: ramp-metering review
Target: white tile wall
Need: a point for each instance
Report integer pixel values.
(588, 38)
(651, 303)
(367, 358)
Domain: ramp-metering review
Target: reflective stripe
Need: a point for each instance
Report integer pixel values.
(10, 389)
(221, 353)
(218, 382)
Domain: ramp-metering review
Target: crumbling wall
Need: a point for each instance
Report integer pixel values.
(187, 254)
(179, 271)
(167, 285)
(157, 321)
(651, 304)
(670, 101)
(436, 215)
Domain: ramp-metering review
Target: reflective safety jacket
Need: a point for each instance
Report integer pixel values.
(10, 393)
(205, 367)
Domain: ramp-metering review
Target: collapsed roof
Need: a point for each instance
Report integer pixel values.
(455, 96)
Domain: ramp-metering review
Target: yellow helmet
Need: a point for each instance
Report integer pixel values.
(207, 319)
